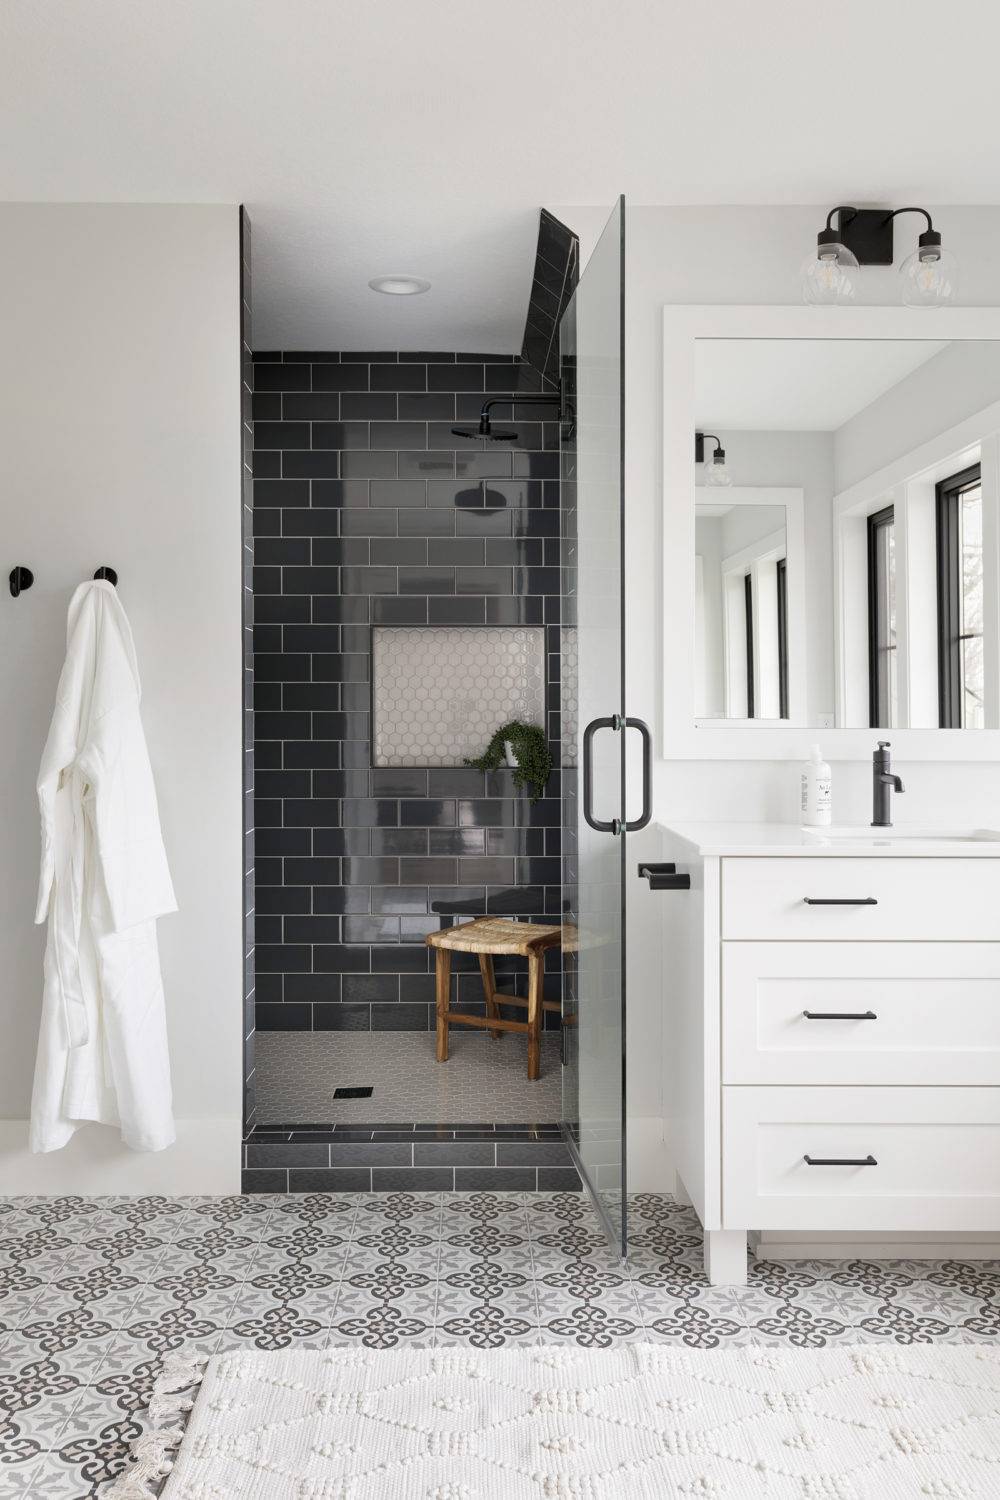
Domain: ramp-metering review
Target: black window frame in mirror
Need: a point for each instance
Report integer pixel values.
(950, 587)
(879, 694)
(781, 574)
(748, 615)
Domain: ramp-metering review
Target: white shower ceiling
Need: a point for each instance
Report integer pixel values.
(422, 136)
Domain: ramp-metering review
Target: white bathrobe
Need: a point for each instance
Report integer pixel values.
(102, 1046)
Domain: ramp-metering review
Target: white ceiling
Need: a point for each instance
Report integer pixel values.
(797, 385)
(372, 136)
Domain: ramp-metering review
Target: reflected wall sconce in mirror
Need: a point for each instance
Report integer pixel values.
(864, 237)
(716, 473)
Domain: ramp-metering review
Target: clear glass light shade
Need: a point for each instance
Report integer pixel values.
(931, 281)
(829, 275)
(716, 473)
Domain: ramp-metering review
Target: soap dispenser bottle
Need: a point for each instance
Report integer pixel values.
(817, 791)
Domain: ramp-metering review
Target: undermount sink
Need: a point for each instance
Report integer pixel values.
(906, 834)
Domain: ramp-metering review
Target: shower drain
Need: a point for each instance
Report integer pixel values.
(363, 1092)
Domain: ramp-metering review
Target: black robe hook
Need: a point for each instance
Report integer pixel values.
(108, 574)
(20, 579)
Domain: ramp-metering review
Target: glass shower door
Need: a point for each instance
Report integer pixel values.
(594, 726)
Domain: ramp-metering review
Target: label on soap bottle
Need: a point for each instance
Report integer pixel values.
(817, 797)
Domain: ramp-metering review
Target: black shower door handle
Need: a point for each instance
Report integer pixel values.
(616, 826)
(647, 775)
(598, 824)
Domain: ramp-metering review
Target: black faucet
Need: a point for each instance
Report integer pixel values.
(883, 783)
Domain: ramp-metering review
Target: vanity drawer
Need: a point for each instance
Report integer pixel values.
(935, 1157)
(905, 899)
(861, 1013)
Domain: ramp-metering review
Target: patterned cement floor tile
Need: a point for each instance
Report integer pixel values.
(485, 1326)
(17, 1306)
(99, 1291)
(657, 1302)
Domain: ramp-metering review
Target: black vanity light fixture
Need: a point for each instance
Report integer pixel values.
(864, 237)
(716, 474)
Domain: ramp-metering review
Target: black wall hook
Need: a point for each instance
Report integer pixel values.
(108, 574)
(20, 579)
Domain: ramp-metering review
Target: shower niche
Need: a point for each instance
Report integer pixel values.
(439, 694)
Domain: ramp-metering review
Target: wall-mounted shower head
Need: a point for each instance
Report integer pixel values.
(485, 430)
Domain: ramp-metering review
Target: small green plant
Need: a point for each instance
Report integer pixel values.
(534, 763)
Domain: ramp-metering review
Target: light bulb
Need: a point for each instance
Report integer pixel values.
(829, 275)
(716, 473)
(929, 277)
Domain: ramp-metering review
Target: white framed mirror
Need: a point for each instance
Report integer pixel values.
(845, 582)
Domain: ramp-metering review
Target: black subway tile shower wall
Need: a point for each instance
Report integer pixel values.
(557, 266)
(369, 511)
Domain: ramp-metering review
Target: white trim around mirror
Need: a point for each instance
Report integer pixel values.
(684, 738)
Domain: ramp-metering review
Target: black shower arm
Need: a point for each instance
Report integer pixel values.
(513, 401)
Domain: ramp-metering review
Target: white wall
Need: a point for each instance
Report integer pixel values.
(710, 679)
(734, 255)
(120, 435)
(956, 384)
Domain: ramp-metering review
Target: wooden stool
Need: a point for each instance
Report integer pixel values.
(487, 936)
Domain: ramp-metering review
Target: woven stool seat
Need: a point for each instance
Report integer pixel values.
(496, 935)
(487, 936)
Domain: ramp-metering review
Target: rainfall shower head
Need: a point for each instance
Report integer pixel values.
(485, 430)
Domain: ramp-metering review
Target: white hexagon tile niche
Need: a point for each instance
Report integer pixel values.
(439, 693)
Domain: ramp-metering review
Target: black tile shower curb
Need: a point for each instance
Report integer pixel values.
(400, 1158)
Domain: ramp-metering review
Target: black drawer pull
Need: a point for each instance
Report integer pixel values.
(840, 1015)
(840, 900)
(840, 1161)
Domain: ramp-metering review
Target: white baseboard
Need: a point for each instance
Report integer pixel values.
(789, 1245)
(650, 1168)
(205, 1158)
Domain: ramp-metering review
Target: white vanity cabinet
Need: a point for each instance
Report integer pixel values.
(832, 1034)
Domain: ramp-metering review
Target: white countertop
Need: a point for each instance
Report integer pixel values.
(917, 839)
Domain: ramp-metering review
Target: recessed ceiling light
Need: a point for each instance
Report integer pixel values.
(399, 286)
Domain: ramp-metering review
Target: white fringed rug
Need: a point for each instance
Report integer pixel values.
(641, 1422)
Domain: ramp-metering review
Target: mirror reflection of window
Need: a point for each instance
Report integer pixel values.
(781, 571)
(883, 684)
(961, 677)
(748, 627)
(741, 669)
(872, 441)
